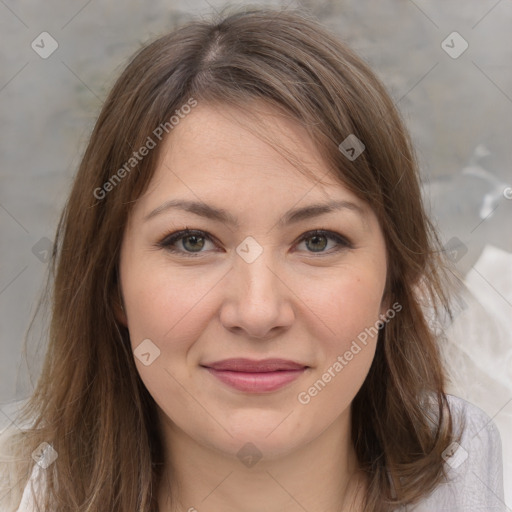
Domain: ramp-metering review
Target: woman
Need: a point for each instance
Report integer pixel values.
(241, 278)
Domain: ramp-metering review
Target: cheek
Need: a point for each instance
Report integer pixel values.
(166, 309)
(164, 305)
(350, 310)
(348, 303)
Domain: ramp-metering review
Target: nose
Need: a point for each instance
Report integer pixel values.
(258, 302)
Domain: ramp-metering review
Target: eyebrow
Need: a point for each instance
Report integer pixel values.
(220, 215)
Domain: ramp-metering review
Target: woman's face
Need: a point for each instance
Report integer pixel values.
(260, 285)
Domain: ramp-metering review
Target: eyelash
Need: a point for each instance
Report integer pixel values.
(170, 239)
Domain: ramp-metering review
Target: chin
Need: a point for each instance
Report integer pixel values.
(270, 440)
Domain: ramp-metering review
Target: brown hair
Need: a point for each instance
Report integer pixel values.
(90, 403)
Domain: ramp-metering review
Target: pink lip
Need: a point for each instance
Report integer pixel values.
(256, 376)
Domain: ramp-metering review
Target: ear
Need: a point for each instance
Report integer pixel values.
(385, 303)
(119, 313)
(117, 304)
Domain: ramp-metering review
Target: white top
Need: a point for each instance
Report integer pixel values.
(475, 470)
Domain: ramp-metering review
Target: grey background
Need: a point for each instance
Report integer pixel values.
(459, 112)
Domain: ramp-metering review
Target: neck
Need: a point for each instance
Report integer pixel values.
(322, 475)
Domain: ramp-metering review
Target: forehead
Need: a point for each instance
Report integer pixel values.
(240, 167)
(219, 143)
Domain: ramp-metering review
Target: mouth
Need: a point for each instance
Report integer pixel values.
(256, 376)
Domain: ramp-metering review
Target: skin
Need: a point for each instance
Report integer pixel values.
(304, 300)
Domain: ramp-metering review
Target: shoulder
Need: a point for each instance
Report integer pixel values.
(19, 475)
(480, 436)
(474, 465)
(14, 471)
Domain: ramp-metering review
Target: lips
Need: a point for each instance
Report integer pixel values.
(251, 366)
(256, 376)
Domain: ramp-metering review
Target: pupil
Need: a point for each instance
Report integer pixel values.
(315, 239)
(194, 239)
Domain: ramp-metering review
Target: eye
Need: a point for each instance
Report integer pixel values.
(192, 242)
(318, 240)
